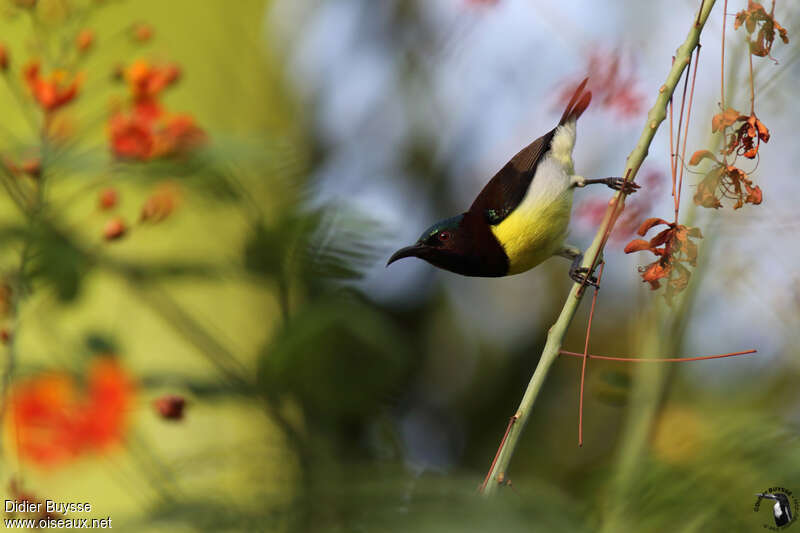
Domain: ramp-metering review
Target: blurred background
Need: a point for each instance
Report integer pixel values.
(200, 334)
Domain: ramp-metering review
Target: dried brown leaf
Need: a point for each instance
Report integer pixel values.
(649, 223)
(637, 245)
(699, 155)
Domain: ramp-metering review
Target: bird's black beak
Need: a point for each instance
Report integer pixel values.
(408, 251)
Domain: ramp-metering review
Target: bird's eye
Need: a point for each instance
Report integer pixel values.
(444, 235)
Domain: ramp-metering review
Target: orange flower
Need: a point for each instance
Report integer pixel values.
(53, 92)
(31, 167)
(109, 394)
(114, 229)
(147, 131)
(3, 58)
(161, 203)
(147, 82)
(673, 247)
(53, 422)
(84, 40)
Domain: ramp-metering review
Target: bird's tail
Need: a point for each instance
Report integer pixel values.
(577, 104)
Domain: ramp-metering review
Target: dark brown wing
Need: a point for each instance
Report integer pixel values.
(507, 188)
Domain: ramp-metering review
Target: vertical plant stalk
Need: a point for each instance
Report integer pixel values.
(586, 355)
(555, 337)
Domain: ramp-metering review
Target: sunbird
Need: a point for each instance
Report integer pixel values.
(520, 218)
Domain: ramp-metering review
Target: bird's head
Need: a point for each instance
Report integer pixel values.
(455, 245)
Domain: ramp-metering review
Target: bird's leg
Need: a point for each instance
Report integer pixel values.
(577, 272)
(618, 184)
(569, 252)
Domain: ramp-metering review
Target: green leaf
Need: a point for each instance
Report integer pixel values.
(338, 357)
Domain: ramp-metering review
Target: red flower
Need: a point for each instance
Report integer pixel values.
(147, 82)
(109, 396)
(131, 136)
(179, 135)
(108, 198)
(53, 422)
(139, 137)
(147, 131)
(53, 92)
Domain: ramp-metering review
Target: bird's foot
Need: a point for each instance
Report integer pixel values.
(618, 184)
(621, 184)
(581, 274)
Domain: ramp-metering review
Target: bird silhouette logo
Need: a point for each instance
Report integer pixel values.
(785, 507)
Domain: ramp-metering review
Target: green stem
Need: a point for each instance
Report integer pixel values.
(555, 336)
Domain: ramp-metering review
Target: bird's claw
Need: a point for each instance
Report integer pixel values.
(621, 184)
(583, 276)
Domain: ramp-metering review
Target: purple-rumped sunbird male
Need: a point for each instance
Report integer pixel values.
(520, 218)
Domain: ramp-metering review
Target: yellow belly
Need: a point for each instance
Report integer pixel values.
(534, 231)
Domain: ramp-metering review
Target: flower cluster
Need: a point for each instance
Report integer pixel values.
(146, 130)
(54, 418)
(673, 246)
(743, 134)
(165, 198)
(755, 16)
(54, 91)
(746, 138)
(724, 180)
(53, 421)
